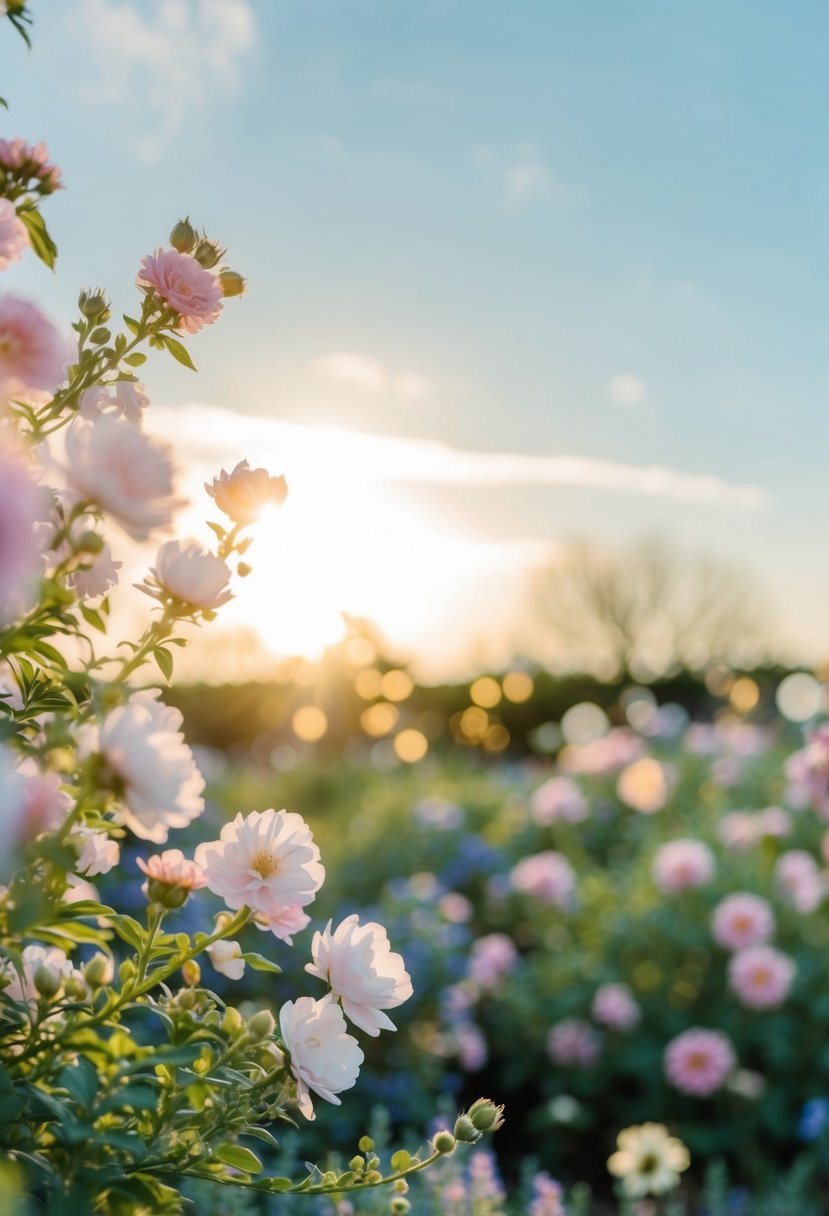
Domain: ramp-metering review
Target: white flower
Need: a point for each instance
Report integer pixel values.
(358, 964)
(226, 958)
(96, 576)
(266, 860)
(99, 853)
(189, 572)
(648, 1160)
(49, 958)
(324, 1057)
(113, 464)
(243, 493)
(143, 745)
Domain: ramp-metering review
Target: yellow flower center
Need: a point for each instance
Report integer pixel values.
(264, 863)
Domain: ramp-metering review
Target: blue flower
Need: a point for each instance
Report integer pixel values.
(813, 1118)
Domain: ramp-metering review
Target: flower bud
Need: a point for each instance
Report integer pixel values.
(232, 283)
(99, 970)
(47, 981)
(365, 1144)
(356, 1164)
(191, 972)
(329, 1178)
(89, 542)
(159, 892)
(399, 1206)
(401, 1186)
(208, 253)
(261, 1025)
(232, 1022)
(485, 1115)
(127, 971)
(443, 1142)
(373, 1176)
(75, 987)
(465, 1130)
(186, 999)
(184, 236)
(93, 303)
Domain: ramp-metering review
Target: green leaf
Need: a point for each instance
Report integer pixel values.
(93, 618)
(240, 1158)
(39, 237)
(278, 1184)
(81, 1081)
(131, 324)
(401, 1160)
(259, 963)
(179, 352)
(135, 359)
(165, 662)
(128, 930)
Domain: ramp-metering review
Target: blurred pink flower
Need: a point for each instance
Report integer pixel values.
(606, 755)
(761, 976)
(97, 575)
(243, 493)
(33, 355)
(807, 772)
(124, 399)
(184, 286)
(698, 1061)
(546, 876)
(266, 860)
(187, 571)
(615, 1006)
(20, 555)
(491, 958)
(548, 1197)
(741, 920)
(45, 805)
(682, 864)
(644, 785)
(559, 800)
(774, 821)
(739, 830)
(120, 469)
(362, 971)
(798, 876)
(575, 1042)
(472, 1048)
(323, 1056)
(13, 235)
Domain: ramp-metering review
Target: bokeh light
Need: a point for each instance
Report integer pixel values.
(411, 745)
(309, 723)
(486, 692)
(518, 686)
(397, 685)
(800, 697)
(584, 722)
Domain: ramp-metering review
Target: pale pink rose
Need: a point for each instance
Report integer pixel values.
(761, 976)
(741, 920)
(683, 864)
(99, 852)
(123, 399)
(491, 958)
(144, 747)
(547, 876)
(45, 803)
(699, 1061)
(184, 286)
(13, 235)
(559, 800)
(644, 785)
(739, 830)
(574, 1042)
(97, 575)
(266, 860)
(185, 570)
(614, 1005)
(799, 878)
(807, 772)
(172, 869)
(243, 493)
(114, 465)
(282, 920)
(362, 971)
(48, 958)
(323, 1055)
(21, 506)
(226, 958)
(33, 355)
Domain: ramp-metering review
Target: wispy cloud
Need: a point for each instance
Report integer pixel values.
(210, 433)
(369, 375)
(626, 388)
(518, 171)
(174, 54)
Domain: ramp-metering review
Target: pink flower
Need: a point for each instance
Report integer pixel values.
(358, 964)
(124, 399)
(172, 869)
(95, 576)
(243, 493)
(144, 747)
(29, 166)
(682, 864)
(559, 800)
(574, 1042)
(184, 286)
(226, 958)
(33, 355)
(45, 805)
(114, 465)
(742, 920)
(283, 921)
(20, 557)
(491, 958)
(761, 976)
(698, 1061)
(323, 1056)
(13, 235)
(471, 1046)
(266, 860)
(739, 830)
(547, 876)
(548, 1197)
(807, 771)
(776, 822)
(614, 1006)
(188, 572)
(798, 876)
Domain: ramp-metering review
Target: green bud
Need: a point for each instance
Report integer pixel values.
(232, 283)
(93, 303)
(399, 1206)
(365, 1144)
(208, 253)
(184, 236)
(167, 895)
(75, 988)
(232, 1023)
(191, 972)
(127, 971)
(401, 1186)
(443, 1142)
(47, 981)
(356, 1164)
(261, 1025)
(373, 1176)
(89, 542)
(98, 971)
(465, 1130)
(329, 1178)
(485, 1115)
(186, 999)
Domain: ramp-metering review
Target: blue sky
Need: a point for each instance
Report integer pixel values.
(596, 230)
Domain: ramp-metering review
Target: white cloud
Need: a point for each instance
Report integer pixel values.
(170, 55)
(519, 171)
(370, 375)
(626, 389)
